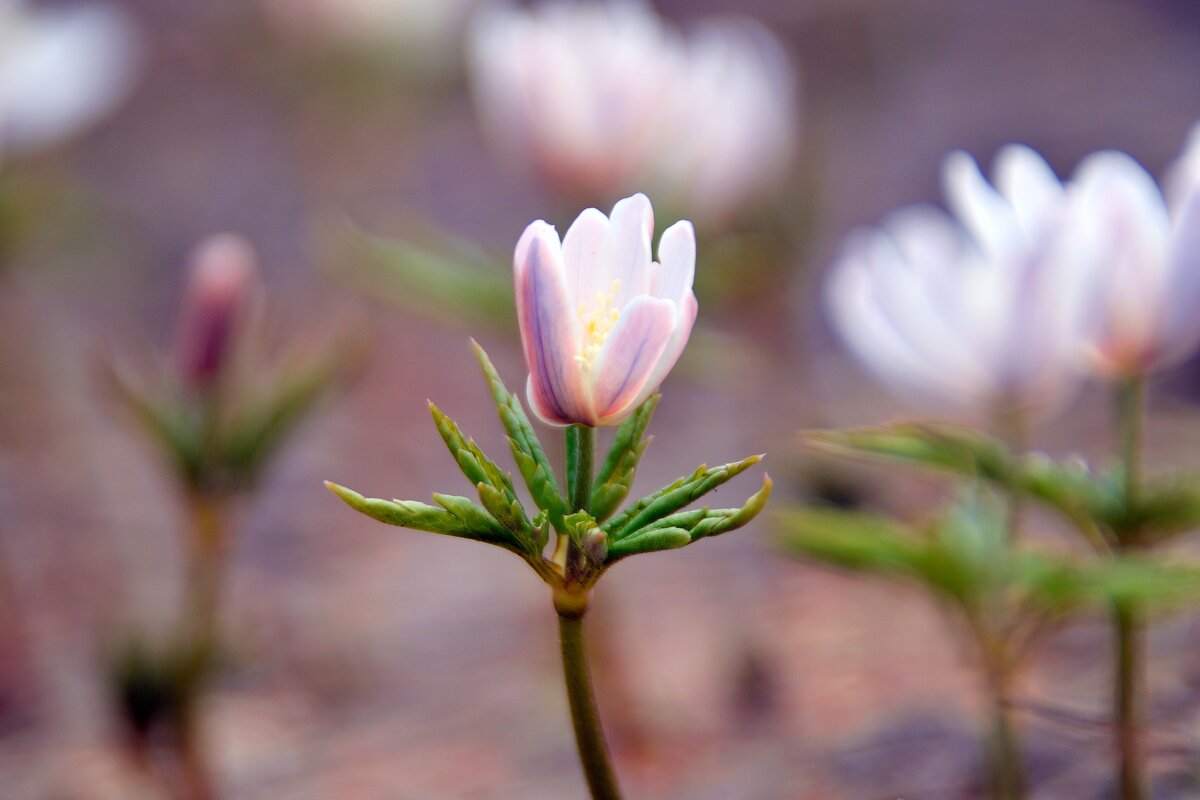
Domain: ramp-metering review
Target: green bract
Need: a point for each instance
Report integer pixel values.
(588, 540)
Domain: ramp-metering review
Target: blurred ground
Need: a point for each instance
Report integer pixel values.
(378, 663)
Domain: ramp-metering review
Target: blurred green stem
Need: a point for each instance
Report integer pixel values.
(1127, 699)
(589, 734)
(1131, 402)
(1127, 629)
(1002, 747)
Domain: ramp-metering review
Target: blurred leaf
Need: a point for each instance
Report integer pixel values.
(615, 477)
(673, 497)
(526, 449)
(256, 430)
(444, 275)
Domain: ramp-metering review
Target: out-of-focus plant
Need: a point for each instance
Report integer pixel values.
(1001, 317)
(602, 324)
(62, 68)
(598, 99)
(218, 408)
(420, 35)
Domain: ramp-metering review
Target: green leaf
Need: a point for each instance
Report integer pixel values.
(673, 497)
(457, 516)
(443, 275)
(495, 488)
(615, 477)
(648, 542)
(526, 449)
(853, 540)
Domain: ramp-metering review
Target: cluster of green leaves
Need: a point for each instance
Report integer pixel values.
(219, 438)
(966, 553)
(588, 540)
(1096, 502)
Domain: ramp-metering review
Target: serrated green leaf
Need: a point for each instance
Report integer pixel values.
(456, 516)
(673, 497)
(615, 477)
(527, 451)
(648, 542)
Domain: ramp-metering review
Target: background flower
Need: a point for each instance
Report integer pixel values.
(981, 312)
(1146, 283)
(603, 98)
(61, 68)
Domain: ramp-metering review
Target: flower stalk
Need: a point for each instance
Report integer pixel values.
(1128, 652)
(594, 755)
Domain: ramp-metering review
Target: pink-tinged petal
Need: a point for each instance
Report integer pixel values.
(629, 356)
(685, 318)
(549, 328)
(677, 254)
(632, 222)
(587, 254)
(1181, 328)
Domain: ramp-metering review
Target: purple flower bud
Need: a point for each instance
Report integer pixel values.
(221, 280)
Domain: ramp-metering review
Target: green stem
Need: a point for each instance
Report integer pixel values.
(1127, 699)
(581, 444)
(1131, 402)
(589, 735)
(1128, 662)
(1006, 774)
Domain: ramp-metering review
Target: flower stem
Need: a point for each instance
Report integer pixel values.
(581, 443)
(589, 735)
(1127, 698)
(1128, 659)
(1131, 402)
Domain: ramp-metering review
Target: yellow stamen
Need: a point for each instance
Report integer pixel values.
(598, 322)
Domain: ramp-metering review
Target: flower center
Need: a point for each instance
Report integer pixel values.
(598, 321)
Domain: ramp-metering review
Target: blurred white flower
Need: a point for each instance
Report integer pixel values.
(1144, 297)
(604, 98)
(61, 69)
(1184, 173)
(423, 33)
(980, 314)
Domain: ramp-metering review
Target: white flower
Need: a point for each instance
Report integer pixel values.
(981, 313)
(603, 98)
(61, 68)
(601, 322)
(1144, 297)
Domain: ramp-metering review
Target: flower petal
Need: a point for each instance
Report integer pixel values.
(984, 212)
(549, 329)
(677, 254)
(630, 354)
(685, 318)
(1029, 185)
(587, 256)
(632, 227)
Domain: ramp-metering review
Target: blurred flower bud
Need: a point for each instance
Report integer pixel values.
(61, 68)
(1145, 287)
(602, 324)
(601, 99)
(982, 313)
(219, 291)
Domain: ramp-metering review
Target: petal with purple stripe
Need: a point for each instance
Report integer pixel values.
(630, 354)
(549, 329)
